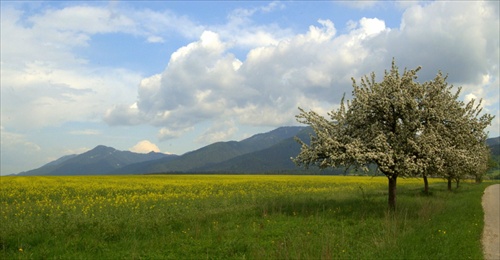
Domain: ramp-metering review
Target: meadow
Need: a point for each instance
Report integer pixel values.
(236, 217)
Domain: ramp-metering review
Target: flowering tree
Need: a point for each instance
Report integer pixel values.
(452, 137)
(397, 124)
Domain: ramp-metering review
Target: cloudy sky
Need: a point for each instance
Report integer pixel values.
(176, 76)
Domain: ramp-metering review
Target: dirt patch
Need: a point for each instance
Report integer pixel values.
(491, 232)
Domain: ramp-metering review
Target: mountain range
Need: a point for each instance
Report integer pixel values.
(262, 153)
(250, 155)
(100, 160)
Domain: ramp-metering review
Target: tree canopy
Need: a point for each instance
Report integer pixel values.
(404, 127)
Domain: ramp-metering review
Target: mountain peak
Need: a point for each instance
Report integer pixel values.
(100, 160)
(103, 147)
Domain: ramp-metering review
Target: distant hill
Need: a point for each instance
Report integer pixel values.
(215, 153)
(269, 152)
(494, 144)
(275, 159)
(493, 141)
(100, 160)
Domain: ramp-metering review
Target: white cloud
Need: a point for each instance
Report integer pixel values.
(43, 82)
(372, 26)
(201, 82)
(460, 38)
(313, 70)
(240, 31)
(46, 83)
(145, 146)
(123, 115)
(82, 19)
(320, 34)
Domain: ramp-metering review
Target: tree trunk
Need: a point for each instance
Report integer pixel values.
(458, 183)
(449, 183)
(426, 185)
(392, 191)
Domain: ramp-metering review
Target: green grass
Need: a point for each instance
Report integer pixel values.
(236, 217)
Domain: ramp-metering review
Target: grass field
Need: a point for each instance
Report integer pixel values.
(236, 217)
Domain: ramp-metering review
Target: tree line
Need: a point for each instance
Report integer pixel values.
(404, 127)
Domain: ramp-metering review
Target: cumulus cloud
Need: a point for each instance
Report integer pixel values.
(145, 146)
(204, 81)
(177, 98)
(459, 38)
(45, 82)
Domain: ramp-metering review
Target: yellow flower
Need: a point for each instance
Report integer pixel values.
(20, 250)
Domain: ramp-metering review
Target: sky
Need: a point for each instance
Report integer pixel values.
(174, 76)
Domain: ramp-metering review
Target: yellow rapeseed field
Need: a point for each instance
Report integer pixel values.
(23, 197)
(86, 216)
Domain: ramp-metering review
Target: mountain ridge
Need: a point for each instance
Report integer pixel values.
(214, 153)
(268, 152)
(99, 160)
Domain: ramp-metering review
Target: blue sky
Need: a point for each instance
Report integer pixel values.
(176, 76)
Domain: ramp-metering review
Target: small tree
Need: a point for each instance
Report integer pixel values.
(453, 137)
(398, 124)
(479, 152)
(482, 162)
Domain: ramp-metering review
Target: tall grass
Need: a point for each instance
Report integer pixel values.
(236, 217)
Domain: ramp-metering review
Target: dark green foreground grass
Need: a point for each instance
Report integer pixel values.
(310, 225)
